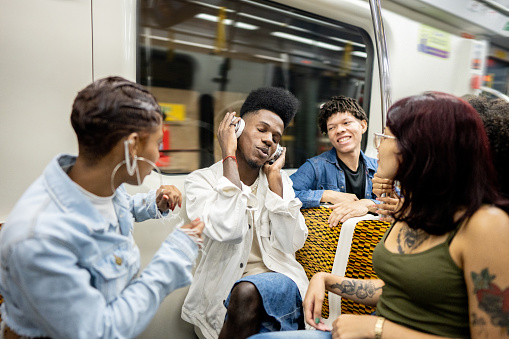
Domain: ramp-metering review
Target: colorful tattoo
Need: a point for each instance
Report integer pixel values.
(492, 299)
(361, 289)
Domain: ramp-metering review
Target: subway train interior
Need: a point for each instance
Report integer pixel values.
(201, 58)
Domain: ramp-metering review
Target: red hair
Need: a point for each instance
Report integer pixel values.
(446, 164)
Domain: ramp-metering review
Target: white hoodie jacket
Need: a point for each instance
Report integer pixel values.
(226, 211)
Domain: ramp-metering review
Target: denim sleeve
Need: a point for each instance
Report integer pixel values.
(304, 185)
(143, 205)
(58, 295)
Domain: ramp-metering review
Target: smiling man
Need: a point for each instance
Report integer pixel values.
(253, 226)
(341, 176)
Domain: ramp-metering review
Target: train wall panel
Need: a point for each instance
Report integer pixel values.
(46, 57)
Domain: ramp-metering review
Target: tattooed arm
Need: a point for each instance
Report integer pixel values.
(351, 325)
(483, 250)
(362, 291)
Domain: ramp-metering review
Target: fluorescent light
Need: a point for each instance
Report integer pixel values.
(360, 54)
(181, 42)
(307, 41)
(228, 22)
(155, 37)
(276, 23)
(210, 6)
(266, 57)
(348, 42)
(243, 25)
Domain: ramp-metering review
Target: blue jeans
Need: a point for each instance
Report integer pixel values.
(281, 300)
(293, 335)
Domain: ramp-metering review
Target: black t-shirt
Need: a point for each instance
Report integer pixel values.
(355, 181)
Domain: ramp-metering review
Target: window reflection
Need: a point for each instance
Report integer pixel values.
(202, 58)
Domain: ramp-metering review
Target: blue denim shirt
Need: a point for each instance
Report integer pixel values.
(322, 173)
(67, 273)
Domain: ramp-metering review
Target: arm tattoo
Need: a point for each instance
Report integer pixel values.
(361, 289)
(410, 238)
(492, 299)
(479, 323)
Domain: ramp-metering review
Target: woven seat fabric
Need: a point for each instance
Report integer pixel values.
(318, 253)
(360, 262)
(319, 250)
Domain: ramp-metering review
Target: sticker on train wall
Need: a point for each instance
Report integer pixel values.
(434, 42)
(173, 112)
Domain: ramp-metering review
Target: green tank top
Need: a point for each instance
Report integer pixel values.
(424, 291)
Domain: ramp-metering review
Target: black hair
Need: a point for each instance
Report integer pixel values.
(274, 99)
(110, 109)
(495, 117)
(339, 104)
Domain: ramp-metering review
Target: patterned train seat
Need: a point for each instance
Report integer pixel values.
(352, 258)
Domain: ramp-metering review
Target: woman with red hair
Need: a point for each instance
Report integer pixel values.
(442, 265)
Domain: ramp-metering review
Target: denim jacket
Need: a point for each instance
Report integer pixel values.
(67, 273)
(322, 173)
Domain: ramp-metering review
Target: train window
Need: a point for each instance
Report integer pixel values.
(202, 58)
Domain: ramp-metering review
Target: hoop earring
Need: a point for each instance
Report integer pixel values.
(131, 168)
(138, 178)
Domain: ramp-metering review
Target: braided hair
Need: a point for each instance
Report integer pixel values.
(110, 109)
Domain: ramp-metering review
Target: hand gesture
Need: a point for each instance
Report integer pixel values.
(335, 197)
(348, 209)
(196, 226)
(381, 186)
(353, 326)
(313, 301)
(168, 197)
(226, 134)
(387, 208)
(277, 165)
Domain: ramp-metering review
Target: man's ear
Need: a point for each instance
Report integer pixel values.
(364, 125)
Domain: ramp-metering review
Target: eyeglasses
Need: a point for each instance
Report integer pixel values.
(379, 137)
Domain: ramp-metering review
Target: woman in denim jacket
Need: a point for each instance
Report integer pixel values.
(341, 176)
(69, 262)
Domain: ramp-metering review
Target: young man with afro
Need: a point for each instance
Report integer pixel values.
(248, 280)
(341, 176)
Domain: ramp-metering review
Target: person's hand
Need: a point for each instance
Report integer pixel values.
(335, 197)
(382, 185)
(197, 226)
(313, 301)
(354, 326)
(277, 165)
(387, 208)
(226, 134)
(349, 209)
(168, 197)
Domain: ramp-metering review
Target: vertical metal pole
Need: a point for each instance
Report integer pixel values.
(383, 61)
(382, 57)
